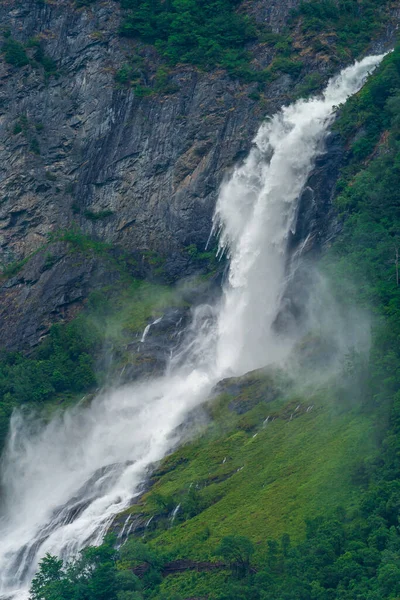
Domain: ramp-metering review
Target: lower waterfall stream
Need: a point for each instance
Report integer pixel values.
(63, 483)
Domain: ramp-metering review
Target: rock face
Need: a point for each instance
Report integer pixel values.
(49, 288)
(77, 149)
(77, 146)
(141, 172)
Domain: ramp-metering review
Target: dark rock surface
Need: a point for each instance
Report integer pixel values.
(315, 219)
(247, 391)
(153, 163)
(51, 287)
(150, 353)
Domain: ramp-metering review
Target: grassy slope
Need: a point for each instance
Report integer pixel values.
(293, 469)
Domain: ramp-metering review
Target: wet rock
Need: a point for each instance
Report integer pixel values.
(315, 221)
(151, 352)
(249, 390)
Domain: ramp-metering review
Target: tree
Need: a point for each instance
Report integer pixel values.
(47, 583)
(91, 576)
(237, 550)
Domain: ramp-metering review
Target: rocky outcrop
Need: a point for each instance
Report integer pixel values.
(76, 147)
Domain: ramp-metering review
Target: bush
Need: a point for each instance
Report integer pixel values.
(353, 22)
(287, 65)
(34, 146)
(14, 52)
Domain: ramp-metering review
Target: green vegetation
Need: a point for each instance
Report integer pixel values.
(49, 65)
(22, 125)
(29, 131)
(93, 575)
(310, 84)
(99, 215)
(342, 28)
(208, 33)
(347, 555)
(34, 146)
(202, 258)
(286, 65)
(134, 75)
(13, 268)
(217, 33)
(64, 364)
(14, 52)
(246, 480)
(81, 3)
(79, 242)
(371, 112)
(368, 197)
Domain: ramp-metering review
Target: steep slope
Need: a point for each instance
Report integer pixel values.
(100, 454)
(268, 461)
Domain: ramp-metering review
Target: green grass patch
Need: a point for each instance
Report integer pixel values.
(244, 477)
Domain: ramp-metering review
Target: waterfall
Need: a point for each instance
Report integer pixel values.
(63, 483)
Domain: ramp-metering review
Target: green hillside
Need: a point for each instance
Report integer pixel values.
(262, 481)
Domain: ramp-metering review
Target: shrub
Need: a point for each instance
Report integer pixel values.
(123, 75)
(34, 146)
(353, 22)
(14, 52)
(287, 65)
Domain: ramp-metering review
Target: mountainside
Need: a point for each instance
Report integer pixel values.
(119, 123)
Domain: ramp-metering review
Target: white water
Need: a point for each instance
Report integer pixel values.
(147, 329)
(63, 483)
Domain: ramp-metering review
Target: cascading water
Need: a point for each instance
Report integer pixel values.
(63, 483)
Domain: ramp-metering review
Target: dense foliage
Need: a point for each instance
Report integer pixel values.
(70, 358)
(63, 363)
(344, 27)
(205, 33)
(218, 33)
(14, 52)
(368, 197)
(340, 559)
